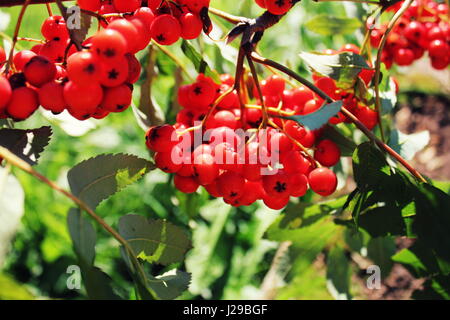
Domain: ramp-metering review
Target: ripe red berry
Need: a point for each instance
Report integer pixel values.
(294, 130)
(231, 185)
(2, 56)
(134, 68)
(83, 67)
(277, 185)
(114, 73)
(278, 7)
(279, 143)
(39, 70)
(128, 31)
(165, 29)
(195, 5)
(51, 97)
(350, 47)
(299, 183)
(327, 153)
(201, 94)
(82, 100)
(222, 118)
(127, 5)
(438, 48)
(109, 45)
(165, 160)
(261, 3)
(367, 116)
(23, 103)
(322, 181)
(21, 58)
(5, 92)
(273, 86)
(191, 26)
(146, 16)
(117, 99)
(185, 184)
(275, 203)
(54, 28)
(415, 31)
(295, 162)
(403, 56)
(90, 5)
(311, 106)
(205, 168)
(161, 138)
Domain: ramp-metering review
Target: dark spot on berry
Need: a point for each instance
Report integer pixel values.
(198, 90)
(109, 53)
(161, 38)
(120, 107)
(280, 187)
(90, 68)
(113, 74)
(233, 194)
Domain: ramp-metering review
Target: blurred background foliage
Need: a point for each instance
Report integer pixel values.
(234, 249)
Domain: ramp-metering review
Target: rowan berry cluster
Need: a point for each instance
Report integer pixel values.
(277, 7)
(235, 160)
(424, 27)
(171, 20)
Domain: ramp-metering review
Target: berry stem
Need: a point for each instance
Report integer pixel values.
(14, 160)
(390, 26)
(226, 16)
(49, 9)
(383, 146)
(15, 36)
(265, 114)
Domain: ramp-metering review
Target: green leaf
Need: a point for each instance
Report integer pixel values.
(319, 118)
(26, 144)
(10, 289)
(83, 236)
(12, 199)
(407, 145)
(380, 250)
(436, 288)
(329, 25)
(96, 179)
(171, 284)
(154, 240)
(98, 284)
(199, 63)
(370, 167)
(338, 274)
(343, 67)
(383, 221)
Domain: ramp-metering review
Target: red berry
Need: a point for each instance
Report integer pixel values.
(222, 118)
(279, 143)
(273, 86)
(201, 94)
(161, 138)
(2, 56)
(415, 31)
(83, 67)
(322, 181)
(311, 106)
(205, 168)
(117, 99)
(5, 92)
(295, 162)
(438, 49)
(165, 29)
(327, 153)
(367, 116)
(350, 47)
(231, 185)
(191, 26)
(294, 129)
(403, 56)
(278, 7)
(90, 5)
(82, 100)
(51, 97)
(127, 5)
(23, 103)
(195, 5)
(39, 70)
(109, 45)
(299, 183)
(276, 203)
(261, 3)
(128, 31)
(185, 184)
(21, 58)
(146, 16)
(54, 28)
(134, 68)
(165, 162)
(114, 73)
(277, 185)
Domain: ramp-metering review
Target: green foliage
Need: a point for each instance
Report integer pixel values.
(26, 144)
(170, 285)
(196, 58)
(329, 25)
(338, 273)
(154, 240)
(96, 179)
(343, 67)
(318, 118)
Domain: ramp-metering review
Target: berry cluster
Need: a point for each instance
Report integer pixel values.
(235, 158)
(423, 27)
(170, 21)
(277, 7)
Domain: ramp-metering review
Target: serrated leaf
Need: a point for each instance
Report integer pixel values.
(171, 284)
(319, 118)
(343, 67)
(370, 167)
(81, 26)
(329, 25)
(338, 274)
(154, 240)
(96, 179)
(26, 144)
(83, 236)
(199, 63)
(407, 145)
(98, 284)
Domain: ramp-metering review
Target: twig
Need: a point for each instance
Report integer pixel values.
(390, 26)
